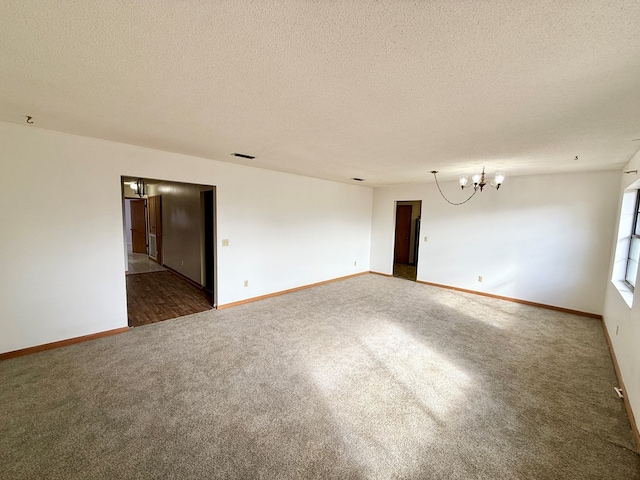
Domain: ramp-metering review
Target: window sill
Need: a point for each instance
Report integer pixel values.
(625, 292)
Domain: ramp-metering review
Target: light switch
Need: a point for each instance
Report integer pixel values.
(225, 242)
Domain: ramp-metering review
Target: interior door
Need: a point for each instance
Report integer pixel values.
(138, 226)
(403, 234)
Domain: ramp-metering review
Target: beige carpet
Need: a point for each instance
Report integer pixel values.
(370, 377)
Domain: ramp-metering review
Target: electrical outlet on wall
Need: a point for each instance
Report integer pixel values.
(480, 278)
(225, 242)
(246, 283)
(355, 262)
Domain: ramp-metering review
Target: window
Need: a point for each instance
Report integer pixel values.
(634, 247)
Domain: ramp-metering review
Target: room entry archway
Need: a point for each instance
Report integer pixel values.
(176, 275)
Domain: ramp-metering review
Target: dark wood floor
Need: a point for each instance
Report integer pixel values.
(406, 271)
(153, 297)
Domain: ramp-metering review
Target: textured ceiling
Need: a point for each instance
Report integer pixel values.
(383, 90)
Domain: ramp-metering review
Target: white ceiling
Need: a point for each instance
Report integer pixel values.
(383, 90)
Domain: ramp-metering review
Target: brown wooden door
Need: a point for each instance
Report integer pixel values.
(155, 225)
(138, 227)
(403, 234)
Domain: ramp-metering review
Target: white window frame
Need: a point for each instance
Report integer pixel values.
(630, 280)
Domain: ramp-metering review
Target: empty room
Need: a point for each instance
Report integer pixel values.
(299, 239)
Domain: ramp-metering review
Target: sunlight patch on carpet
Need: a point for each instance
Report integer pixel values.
(430, 377)
(479, 311)
(389, 395)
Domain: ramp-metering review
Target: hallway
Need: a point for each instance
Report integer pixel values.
(155, 293)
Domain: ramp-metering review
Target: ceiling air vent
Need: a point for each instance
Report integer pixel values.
(242, 155)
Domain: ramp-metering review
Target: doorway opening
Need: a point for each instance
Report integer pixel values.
(407, 235)
(170, 249)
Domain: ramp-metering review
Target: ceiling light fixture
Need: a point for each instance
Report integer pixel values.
(478, 183)
(139, 187)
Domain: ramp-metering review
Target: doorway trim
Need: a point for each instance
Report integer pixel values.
(410, 241)
(160, 184)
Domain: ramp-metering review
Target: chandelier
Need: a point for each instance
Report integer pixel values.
(478, 182)
(139, 187)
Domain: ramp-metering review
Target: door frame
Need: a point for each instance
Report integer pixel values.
(126, 193)
(154, 209)
(416, 227)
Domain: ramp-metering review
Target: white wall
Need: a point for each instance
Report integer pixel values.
(623, 322)
(62, 264)
(544, 239)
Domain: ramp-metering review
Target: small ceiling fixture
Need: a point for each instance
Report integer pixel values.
(478, 183)
(139, 187)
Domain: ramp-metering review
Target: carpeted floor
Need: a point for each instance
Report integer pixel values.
(370, 377)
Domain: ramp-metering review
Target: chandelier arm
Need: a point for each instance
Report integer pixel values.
(475, 190)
